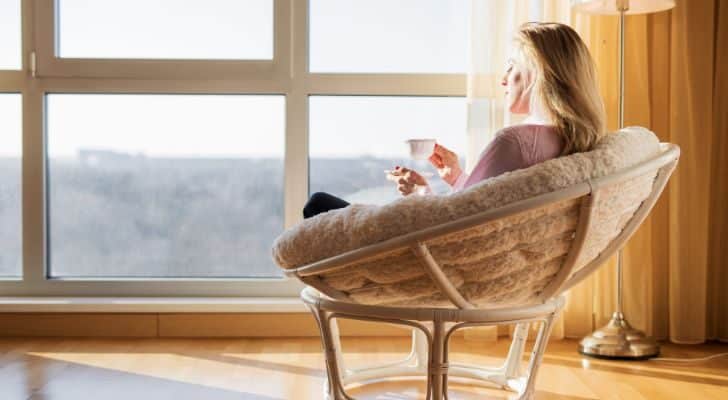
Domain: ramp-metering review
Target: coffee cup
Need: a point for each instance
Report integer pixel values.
(421, 149)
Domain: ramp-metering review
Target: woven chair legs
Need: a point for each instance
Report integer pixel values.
(429, 356)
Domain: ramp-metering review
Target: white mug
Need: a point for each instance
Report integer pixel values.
(421, 149)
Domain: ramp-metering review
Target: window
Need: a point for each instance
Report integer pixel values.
(164, 185)
(166, 29)
(10, 34)
(167, 143)
(10, 208)
(384, 36)
(355, 138)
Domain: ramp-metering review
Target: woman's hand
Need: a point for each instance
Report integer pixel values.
(446, 163)
(408, 180)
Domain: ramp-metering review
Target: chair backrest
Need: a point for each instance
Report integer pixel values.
(524, 252)
(610, 214)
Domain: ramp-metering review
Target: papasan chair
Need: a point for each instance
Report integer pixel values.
(501, 252)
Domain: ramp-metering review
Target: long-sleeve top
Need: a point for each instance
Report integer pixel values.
(514, 147)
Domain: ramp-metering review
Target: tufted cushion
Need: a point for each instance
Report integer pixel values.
(508, 261)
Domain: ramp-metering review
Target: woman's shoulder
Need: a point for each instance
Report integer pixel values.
(537, 142)
(529, 135)
(525, 130)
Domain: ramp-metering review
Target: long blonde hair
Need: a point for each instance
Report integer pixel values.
(564, 82)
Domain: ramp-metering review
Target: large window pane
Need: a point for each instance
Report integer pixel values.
(166, 29)
(10, 34)
(353, 139)
(10, 163)
(164, 185)
(416, 36)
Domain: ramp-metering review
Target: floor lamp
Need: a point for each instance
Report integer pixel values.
(618, 339)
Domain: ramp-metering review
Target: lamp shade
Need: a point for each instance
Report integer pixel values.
(612, 7)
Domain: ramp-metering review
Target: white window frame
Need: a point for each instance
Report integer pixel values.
(49, 65)
(287, 74)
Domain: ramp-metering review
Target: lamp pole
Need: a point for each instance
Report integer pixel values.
(618, 339)
(623, 6)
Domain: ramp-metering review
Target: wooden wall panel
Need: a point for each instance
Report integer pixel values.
(178, 325)
(78, 325)
(262, 325)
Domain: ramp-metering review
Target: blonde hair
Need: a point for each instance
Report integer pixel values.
(564, 82)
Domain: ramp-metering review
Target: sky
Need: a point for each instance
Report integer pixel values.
(9, 34)
(10, 125)
(346, 36)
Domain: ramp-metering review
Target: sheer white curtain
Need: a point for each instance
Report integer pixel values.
(492, 25)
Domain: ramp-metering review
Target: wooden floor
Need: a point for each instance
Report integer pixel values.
(267, 369)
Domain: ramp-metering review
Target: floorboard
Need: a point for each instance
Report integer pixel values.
(283, 369)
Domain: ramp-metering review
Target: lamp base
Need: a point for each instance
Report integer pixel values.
(618, 340)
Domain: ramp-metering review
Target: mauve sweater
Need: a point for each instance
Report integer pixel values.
(514, 147)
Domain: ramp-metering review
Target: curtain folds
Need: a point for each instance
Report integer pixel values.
(718, 217)
(676, 79)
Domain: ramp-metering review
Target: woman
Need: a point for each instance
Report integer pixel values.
(552, 79)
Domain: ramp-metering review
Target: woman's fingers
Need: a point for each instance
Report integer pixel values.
(447, 157)
(436, 160)
(444, 152)
(396, 173)
(405, 189)
(406, 179)
(410, 180)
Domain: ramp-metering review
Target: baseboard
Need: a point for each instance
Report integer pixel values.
(179, 325)
(78, 325)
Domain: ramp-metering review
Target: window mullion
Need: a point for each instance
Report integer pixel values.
(33, 158)
(297, 113)
(33, 186)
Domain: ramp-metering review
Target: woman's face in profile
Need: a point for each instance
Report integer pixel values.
(516, 82)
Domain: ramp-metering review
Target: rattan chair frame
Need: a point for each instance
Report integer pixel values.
(433, 327)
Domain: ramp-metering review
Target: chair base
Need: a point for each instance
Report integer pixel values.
(431, 332)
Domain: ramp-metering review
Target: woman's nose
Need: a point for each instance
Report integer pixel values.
(504, 81)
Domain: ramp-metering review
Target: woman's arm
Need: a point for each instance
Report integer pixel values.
(447, 164)
(460, 182)
(502, 155)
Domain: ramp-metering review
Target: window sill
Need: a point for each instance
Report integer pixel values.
(151, 305)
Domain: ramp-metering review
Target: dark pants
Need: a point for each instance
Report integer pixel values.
(321, 202)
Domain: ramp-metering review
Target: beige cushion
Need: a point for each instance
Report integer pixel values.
(505, 262)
